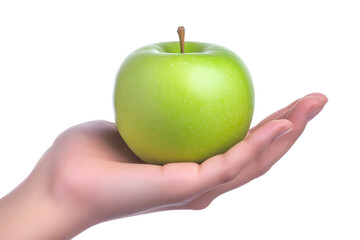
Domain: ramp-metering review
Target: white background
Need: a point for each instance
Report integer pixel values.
(58, 61)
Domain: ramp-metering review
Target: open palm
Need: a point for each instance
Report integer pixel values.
(93, 170)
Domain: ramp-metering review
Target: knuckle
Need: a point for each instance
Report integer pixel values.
(252, 149)
(262, 169)
(228, 172)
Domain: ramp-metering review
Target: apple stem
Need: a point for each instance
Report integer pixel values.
(181, 32)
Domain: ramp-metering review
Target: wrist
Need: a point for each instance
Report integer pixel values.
(31, 212)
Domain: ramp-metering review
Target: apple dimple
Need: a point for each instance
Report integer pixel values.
(174, 48)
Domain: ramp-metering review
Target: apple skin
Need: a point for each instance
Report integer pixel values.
(173, 107)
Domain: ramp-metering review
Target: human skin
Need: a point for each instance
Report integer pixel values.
(89, 176)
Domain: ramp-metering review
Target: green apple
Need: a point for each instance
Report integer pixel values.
(182, 107)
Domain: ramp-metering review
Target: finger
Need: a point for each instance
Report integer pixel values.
(299, 115)
(223, 168)
(220, 173)
(276, 115)
(284, 112)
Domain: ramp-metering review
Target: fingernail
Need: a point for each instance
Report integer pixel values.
(313, 112)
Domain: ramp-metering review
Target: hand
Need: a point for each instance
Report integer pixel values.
(89, 175)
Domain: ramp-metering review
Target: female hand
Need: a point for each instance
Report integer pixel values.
(89, 175)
